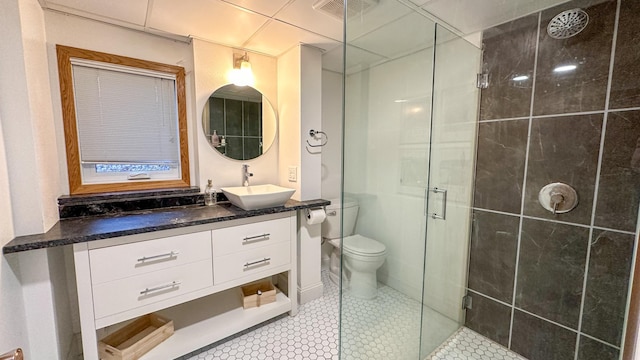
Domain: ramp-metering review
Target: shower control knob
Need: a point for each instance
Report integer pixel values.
(558, 198)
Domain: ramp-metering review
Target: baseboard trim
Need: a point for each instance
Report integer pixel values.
(310, 293)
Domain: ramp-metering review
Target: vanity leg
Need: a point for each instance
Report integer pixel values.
(85, 301)
(293, 272)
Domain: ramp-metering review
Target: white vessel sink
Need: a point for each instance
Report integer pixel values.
(258, 196)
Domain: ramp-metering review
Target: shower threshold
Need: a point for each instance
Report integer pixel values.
(466, 344)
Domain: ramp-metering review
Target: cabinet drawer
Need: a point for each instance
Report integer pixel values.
(125, 294)
(238, 265)
(121, 261)
(244, 237)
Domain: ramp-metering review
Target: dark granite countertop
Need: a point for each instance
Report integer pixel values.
(83, 229)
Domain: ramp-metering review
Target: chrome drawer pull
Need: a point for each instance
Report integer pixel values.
(249, 238)
(161, 287)
(169, 255)
(257, 262)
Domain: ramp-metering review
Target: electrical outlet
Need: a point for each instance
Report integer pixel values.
(293, 173)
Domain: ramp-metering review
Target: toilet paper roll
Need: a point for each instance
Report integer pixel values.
(315, 216)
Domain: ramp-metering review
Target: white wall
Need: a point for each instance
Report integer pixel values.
(25, 108)
(212, 63)
(386, 161)
(29, 163)
(310, 119)
(289, 115)
(299, 108)
(13, 331)
(331, 172)
(332, 125)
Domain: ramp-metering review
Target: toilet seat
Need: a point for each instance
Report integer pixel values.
(334, 242)
(363, 246)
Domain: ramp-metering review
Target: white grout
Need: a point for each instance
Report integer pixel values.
(524, 179)
(570, 114)
(624, 109)
(495, 211)
(489, 297)
(613, 230)
(598, 171)
(600, 341)
(566, 328)
(505, 119)
(594, 112)
(556, 221)
(545, 319)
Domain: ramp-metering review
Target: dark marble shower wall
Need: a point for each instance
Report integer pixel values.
(555, 286)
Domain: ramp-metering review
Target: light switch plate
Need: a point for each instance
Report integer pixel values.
(293, 173)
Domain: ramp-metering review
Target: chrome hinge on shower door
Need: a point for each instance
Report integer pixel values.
(467, 302)
(482, 81)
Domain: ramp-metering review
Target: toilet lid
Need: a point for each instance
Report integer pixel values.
(359, 244)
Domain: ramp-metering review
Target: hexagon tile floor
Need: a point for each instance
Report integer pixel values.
(313, 333)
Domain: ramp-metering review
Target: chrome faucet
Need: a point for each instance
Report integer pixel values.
(246, 175)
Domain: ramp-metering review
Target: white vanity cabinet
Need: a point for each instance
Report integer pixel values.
(190, 275)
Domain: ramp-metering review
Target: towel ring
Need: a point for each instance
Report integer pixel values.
(314, 133)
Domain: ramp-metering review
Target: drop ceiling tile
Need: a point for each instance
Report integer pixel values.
(420, 2)
(215, 21)
(276, 38)
(301, 14)
(357, 59)
(472, 15)
(131, 11)
(405, 35)
(383, 13)
(264, 7)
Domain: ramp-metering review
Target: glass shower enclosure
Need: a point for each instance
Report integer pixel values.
(410, 123)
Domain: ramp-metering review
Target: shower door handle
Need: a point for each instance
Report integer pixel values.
(443, 215)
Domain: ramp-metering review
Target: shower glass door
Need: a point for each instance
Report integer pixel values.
(451, 170)
(388, 82)
(391, 52)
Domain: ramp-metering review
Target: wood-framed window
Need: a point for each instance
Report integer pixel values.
(124, 120)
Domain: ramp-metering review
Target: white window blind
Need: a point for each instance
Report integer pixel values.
(125, 117)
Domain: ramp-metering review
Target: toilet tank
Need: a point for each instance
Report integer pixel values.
(331, 226)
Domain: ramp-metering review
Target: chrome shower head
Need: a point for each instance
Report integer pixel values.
(567, 24)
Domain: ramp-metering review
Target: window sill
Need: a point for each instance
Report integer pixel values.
(70, 206)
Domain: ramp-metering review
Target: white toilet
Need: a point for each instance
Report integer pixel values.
(363, 256)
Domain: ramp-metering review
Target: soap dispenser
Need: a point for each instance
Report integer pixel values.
(210, 197)
(215, 139)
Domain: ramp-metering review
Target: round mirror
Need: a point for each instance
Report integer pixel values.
(239, 122)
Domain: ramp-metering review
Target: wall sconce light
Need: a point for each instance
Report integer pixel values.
(241, 75)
